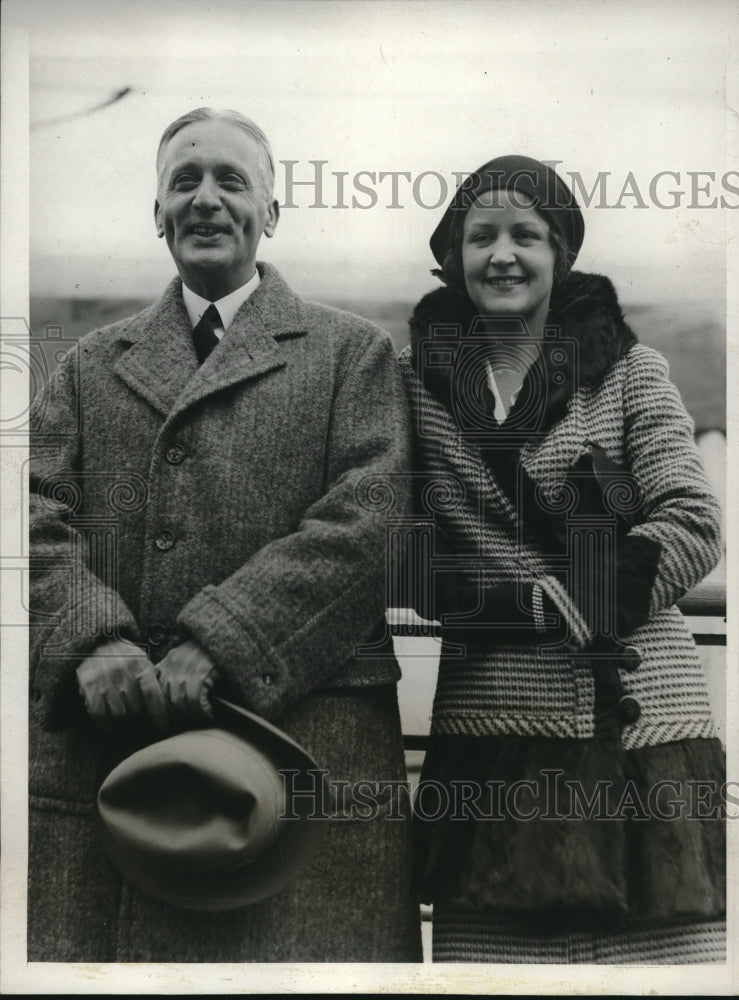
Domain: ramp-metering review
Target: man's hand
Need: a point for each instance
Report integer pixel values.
(187, 675)
(119, 685)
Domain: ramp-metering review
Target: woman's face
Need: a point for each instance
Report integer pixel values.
(507, 257)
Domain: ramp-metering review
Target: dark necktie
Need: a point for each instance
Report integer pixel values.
(203, 335)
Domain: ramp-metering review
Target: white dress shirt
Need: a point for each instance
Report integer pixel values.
(501, 407)
(502, 377)
(227, 307)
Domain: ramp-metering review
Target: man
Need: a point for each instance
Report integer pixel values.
(198, 524)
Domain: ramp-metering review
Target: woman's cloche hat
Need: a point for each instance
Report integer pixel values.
(203, 820)
(526, 176)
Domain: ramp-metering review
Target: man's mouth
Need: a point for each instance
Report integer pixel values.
(204, 229)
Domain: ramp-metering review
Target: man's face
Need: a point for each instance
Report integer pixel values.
(213, 206)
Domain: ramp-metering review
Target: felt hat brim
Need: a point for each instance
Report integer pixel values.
(235, 878)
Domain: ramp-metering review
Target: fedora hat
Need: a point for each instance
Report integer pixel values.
(202, 820)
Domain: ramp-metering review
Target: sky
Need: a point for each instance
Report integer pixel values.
(619, 89)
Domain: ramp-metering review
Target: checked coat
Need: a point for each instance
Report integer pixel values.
(564, 717)
(618, 396)
(227, 502)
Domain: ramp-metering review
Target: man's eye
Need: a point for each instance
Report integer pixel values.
(232, 181)
(184, 182)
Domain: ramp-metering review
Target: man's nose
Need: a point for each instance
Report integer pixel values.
(207, 196)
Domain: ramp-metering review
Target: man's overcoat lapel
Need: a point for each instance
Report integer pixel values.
(161, 365)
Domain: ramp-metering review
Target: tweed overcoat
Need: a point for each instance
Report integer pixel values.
(618, 396)
(230, 502)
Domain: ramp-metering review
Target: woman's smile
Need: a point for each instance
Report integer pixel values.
(506, 281)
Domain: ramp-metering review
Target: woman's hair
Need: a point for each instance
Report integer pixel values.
(452, 270)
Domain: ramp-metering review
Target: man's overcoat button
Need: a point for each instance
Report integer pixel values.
(157, 634)
(164, 541)
(629, 708)
(175, 454)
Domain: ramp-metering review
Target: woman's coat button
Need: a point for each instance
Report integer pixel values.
(631, 658)
(629, 708)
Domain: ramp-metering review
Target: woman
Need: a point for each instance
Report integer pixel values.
(557, 812)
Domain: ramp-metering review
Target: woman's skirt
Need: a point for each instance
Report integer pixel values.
(574, 843)
(465, 936)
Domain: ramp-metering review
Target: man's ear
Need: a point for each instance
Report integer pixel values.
(158, 219)
(273, 217)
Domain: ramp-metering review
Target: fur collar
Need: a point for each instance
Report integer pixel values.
(586, 310)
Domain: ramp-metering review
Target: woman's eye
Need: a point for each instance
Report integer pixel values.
(481, 239)
(528, 235)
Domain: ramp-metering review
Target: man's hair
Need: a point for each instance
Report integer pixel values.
(232, 118)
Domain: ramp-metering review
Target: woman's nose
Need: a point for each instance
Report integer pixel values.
(207, 195)
(502, 251)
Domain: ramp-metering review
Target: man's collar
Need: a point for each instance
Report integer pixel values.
(227, 307)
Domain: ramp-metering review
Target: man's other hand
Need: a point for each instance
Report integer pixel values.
(187, 675)
(119, 685)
